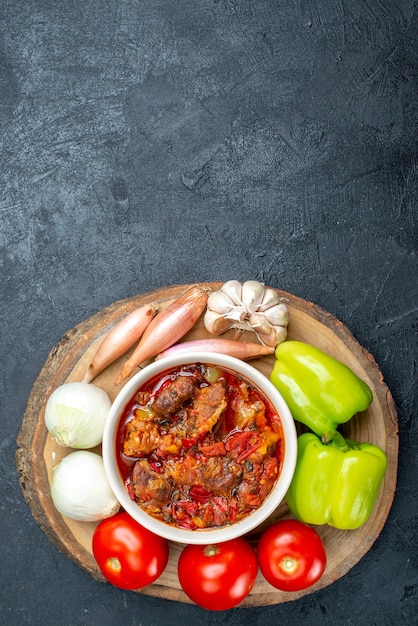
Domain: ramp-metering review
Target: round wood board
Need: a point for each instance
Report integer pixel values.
(37, 452)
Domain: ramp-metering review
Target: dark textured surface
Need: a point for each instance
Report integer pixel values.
(151, 143)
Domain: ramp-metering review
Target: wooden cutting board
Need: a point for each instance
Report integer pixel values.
(37, 452)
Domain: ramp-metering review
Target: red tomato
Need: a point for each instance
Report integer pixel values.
(291, 555)
(219, 576)
(129, 555)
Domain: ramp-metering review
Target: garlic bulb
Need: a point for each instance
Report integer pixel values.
(248, 306)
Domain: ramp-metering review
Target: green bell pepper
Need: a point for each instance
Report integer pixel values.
(336, 483)
(320, 391)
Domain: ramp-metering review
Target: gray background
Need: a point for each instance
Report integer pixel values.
(145, 144)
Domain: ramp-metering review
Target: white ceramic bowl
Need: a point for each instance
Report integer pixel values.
(208, 535)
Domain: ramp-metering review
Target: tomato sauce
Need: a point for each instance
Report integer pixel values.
(199, 447)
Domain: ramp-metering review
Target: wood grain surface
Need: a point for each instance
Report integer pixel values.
(37, 452)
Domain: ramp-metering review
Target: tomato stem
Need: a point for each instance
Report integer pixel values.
(114, 564)
(210, 550)
(288, 564)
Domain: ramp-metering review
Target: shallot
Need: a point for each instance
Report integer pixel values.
(169, 325)
(120, 338)
(239, 349)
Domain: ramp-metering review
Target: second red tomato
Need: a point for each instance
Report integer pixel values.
(218, 577)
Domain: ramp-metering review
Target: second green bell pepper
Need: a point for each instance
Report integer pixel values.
(320, 391)
(335, 483)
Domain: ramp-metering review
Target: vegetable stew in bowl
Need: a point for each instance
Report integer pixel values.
(199, 447)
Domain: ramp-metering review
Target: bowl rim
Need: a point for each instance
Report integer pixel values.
(204, 535)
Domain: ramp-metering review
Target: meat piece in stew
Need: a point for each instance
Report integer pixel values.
(172, 396)
(141, 438)
(149, 486)
(219, 475)
(208, 405)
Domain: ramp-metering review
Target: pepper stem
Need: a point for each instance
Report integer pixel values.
(336, 439)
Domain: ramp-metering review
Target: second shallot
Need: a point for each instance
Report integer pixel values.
(170, 325)
(120, 338)
(244, 350)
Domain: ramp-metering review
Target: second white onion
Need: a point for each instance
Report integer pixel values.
(80, 489)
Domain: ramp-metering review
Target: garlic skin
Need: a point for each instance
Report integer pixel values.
(248, 306)
(252, 294)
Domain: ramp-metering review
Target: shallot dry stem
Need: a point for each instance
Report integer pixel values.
(239, 349)
(120, 338)
(170, 325)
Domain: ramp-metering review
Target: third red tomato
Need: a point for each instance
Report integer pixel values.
(291, 555)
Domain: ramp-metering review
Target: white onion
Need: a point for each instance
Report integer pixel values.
(75, 414)
(80, 489)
